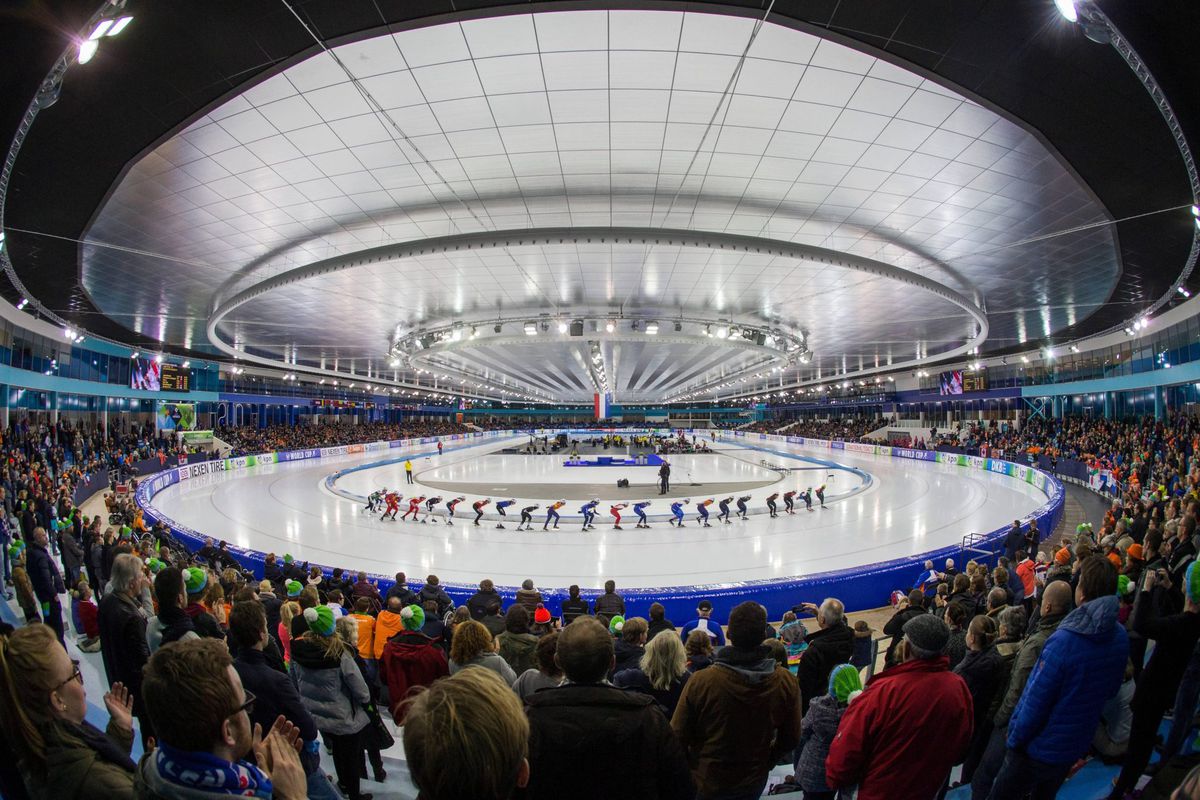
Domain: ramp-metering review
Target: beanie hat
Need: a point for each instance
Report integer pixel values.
(1123, 587)
(842, 681)
(927, 632)
(1114, 559)
(541, 616)
(287, 558)
(1191, 583)
(155, 565)
(616, 625)
(1083, 527)
(413, 617)
(14, 552)
(1062, 557)
(195, 579)
(293, 588)
(320, 620)
(1135, 552)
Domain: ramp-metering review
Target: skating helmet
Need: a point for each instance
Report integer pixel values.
(595, 499)
(687, 500)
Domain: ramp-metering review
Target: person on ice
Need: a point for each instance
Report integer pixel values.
(677, 511)
(588, 510)
(552, 513)
(741, 506)
(808, 498)
(430, 504)
(526, 523)
(615, 510)
(702, 508)
(789, 505)
(414, 508)
(771, 504)
(478, 506)
(724, 506)
(392, 499)
(374, 498)
(821, 495)
(500, 506)
(450, 506)
(639, 508)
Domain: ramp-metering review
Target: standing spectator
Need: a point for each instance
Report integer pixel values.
(659, 622)
(547, 675)
(699, 649)
(529, 596)
(661, 673)
(610, 604)
(348, 630)
(433, 591)
(818, 729)
(907, 609)
(574, 606)
(388, 624)
(171, 624)
(334, 692)
(571, 724)
(1055, 719)
(1014, 540)
(482, 600)
(704, 622)
(467, 737)
(883, 741)
(829, 646)
(123, 642)
(72, 554)
(630, 641)
(46, 580)
(410, 659)
(737, 718)
(1175, 636)
(981, 669)
(206, 744)
(195, 581)
(517, 644)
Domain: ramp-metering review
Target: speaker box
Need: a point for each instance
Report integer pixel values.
(577, 328)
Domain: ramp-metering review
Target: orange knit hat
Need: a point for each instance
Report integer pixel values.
(1062, 557)
(1135, 552)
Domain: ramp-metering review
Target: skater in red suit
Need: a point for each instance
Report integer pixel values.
(478, 507)
(414, 508)
(392, 499)
(615, 510)
(789, 504)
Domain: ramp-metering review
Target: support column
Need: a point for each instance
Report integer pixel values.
(104, 414)
(54, 408)
(1159, 402)
(1108, 404)
(4, 413)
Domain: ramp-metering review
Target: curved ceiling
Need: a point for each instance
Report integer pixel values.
(589, 118)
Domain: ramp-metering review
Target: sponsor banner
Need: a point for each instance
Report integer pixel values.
(299, 455)
(327, 452)
(355, 448)
(915, 455)
(837, 445)
(859, 447)
(883, 450)
(976, 462)
(395, 443)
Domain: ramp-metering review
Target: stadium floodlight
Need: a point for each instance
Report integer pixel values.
(1068, 10)
(1074, 349)
(722, 331)
(1183, 291)
(134, 354)
(651, 328)
(562, 326)
(101, 28)
(395, 362)
(119, 25)
(531, 328)
(610, 326)
(87, 49)
(186, 364)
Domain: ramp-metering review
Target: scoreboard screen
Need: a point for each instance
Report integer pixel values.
(972, 381)
(176, 379)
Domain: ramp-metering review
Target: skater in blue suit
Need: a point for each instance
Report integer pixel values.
(677, 511)
(639, 508)
(589, 514)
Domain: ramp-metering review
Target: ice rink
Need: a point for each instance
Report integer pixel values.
(879, 508)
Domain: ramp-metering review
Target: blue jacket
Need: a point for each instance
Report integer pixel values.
(713, 627)
(1080, 668)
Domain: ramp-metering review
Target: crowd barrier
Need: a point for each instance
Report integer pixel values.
(859, 588)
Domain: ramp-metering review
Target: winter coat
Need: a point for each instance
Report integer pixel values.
(883, 743)
(637, 681)
(895, 629)
(862, 649)
(518, 649)
(85, 764)
(956, 648)
(1057, 714)
(123, 644)
(530, 598)
(532, 680)
(333, 690)
(438, 595)
(627, 656)
(1174, 636)
(736, 719)
(981, 670)
(579, 731)
(494, 623)
(573, 609)
(607, 606)
(407, 661)
(479, 603)
(43, 574)
(72, 553)
(368, 590)
(274, 694)
(816, 733)
(657, 626)
(387, 625)
(490, 661)
(171, 625)
(827, 648)
(407, 596)
(1023, 664)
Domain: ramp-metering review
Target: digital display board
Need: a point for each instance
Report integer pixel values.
(145, 373)
(950, 382)
(175, 379)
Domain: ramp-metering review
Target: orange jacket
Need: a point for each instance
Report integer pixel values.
(366, 635)
(387, 625)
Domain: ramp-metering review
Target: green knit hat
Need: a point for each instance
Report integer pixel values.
(293, 588)
(1123, 587)
(155, 565)
(413, 617)
(320, 620)
(1191, 583)
(14, 551)
(616, 625)
(844, 682)
(287, 558)
(195, 579)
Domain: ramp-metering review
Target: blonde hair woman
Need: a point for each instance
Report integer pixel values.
(287, 612)
(42, 708)
(661, 673)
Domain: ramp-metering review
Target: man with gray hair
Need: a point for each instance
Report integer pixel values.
(833, 644)
(883, 740)
(123, 631)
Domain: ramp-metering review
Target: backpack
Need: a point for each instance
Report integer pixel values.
(623, 483)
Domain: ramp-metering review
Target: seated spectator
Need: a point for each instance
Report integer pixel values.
(480, 602)
(907, 609)
(400, 589)
(334, 692)
(432, 590)
(517, 644)
(819, 727)
(410, 659)
(467, 737)
(740, 716)
(630, 644)
(529, 596)
(610, 604)
(574, 606)
(493, 620)
(882, 744)
(699, 650)
(547, 674)
(659, 622)
(388, 624)
(571, 724)
(829, 646)
(661, 673)
(434, 627)
(473, 646)
(43, 704)
(200, 715)
(704, 622)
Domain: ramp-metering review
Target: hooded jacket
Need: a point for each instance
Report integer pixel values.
(883, 740)
(438, 595)
(626, 656)
(981, 670)
(518, 649)
(409, 660)
(1057, 714)
(387, 625)
(816, 733)
(827, 648)
(479, 603)
(736, 719)
(1026, 657)
(333, 690)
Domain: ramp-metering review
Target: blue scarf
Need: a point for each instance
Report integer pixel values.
(207, 772)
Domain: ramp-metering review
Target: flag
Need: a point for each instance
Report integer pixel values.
(601, 403)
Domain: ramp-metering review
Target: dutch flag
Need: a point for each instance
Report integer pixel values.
(602, 403)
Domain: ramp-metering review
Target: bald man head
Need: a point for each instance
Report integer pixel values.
(831, 613)
(1056, 598)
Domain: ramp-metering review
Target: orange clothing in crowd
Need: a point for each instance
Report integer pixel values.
(366, 635)
(387, 625)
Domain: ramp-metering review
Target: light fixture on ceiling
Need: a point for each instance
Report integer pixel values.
(722, 331)
(134, 354)
(24, 302)
(610, 326)
(1048, 353)
(158, 359)
(186, 364)
(531, 328)
(651, 328)
(1183, 291)
(1074, 349)
(395, 362)
(498, 327)
(1067, 9)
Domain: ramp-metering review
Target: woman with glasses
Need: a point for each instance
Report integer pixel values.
(42, 708)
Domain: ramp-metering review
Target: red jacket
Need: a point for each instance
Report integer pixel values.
(89, 616)
(904, 732)
(409, 660)
(1027, 571)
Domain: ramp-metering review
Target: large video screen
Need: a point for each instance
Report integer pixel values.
(950, 382)
(176, 379)
(145, 373)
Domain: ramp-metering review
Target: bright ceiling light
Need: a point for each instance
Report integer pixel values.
(87, 50)
(186, 364)
(1068, 10)
(395, 362)
(531, 328)
(562, 326)
(120, 25)
(1024, 359)
(158, 359)
(722, 331)
(101, 28)
(1183, 291)
(1074, 349)
(609, 326)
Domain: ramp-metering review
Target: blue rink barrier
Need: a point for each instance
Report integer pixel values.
(859, 588)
